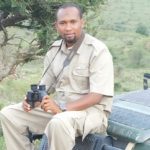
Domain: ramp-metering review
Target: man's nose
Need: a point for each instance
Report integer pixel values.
(68, 26)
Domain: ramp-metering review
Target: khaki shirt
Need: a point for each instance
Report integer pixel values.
(90, 70)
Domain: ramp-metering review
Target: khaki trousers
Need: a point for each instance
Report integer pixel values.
(61, 129)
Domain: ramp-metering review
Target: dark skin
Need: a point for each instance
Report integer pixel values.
(69, 26)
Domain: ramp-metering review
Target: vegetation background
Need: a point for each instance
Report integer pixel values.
(124, 26)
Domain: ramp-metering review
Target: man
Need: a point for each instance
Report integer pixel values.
(80, 70)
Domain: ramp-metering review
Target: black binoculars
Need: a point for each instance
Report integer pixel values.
(36, 94)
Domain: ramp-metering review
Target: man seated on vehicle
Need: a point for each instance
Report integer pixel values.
(79, 69)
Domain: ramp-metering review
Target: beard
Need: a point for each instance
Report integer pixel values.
(70, 39)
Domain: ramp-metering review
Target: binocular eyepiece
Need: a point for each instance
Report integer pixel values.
(36, 94)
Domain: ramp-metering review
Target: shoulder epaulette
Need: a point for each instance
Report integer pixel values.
(56, 43)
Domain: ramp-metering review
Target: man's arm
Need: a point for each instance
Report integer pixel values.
(84, 102)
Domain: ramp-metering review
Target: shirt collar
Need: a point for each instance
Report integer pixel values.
(64, 49)
(87, 41)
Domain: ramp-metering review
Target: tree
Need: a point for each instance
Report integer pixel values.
(38, 14)
(35, 15)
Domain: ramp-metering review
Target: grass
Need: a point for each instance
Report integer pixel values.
(18, 84)
(129, 79)
(2, 143)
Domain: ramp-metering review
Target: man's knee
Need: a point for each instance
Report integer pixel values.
(11, 110)
(4, 111)
(59, 124)
(54, 126)
(56, 122)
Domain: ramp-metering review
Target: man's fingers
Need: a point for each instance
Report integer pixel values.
(46, 97)
(49, 105)
(26, 106)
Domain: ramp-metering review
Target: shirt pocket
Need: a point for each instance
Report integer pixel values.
(81, 77)
(81, 72)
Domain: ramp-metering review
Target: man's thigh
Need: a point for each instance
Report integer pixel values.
(73, 120)
(84, 122)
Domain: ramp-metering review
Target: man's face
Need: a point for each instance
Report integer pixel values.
(69, 24)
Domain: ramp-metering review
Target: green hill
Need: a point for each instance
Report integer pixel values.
(124, 25)
(126, 15)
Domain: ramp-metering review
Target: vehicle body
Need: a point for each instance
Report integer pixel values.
(129, 122)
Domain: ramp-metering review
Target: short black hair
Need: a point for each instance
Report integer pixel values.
(68, 5)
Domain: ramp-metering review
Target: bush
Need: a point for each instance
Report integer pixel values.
(141, 29)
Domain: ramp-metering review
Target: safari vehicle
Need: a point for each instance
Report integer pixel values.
(129, 124)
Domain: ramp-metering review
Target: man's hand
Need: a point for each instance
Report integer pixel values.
(27, 107)
(48, 104)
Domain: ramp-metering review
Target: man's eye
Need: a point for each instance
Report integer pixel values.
(62, 23)
(73, 21)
